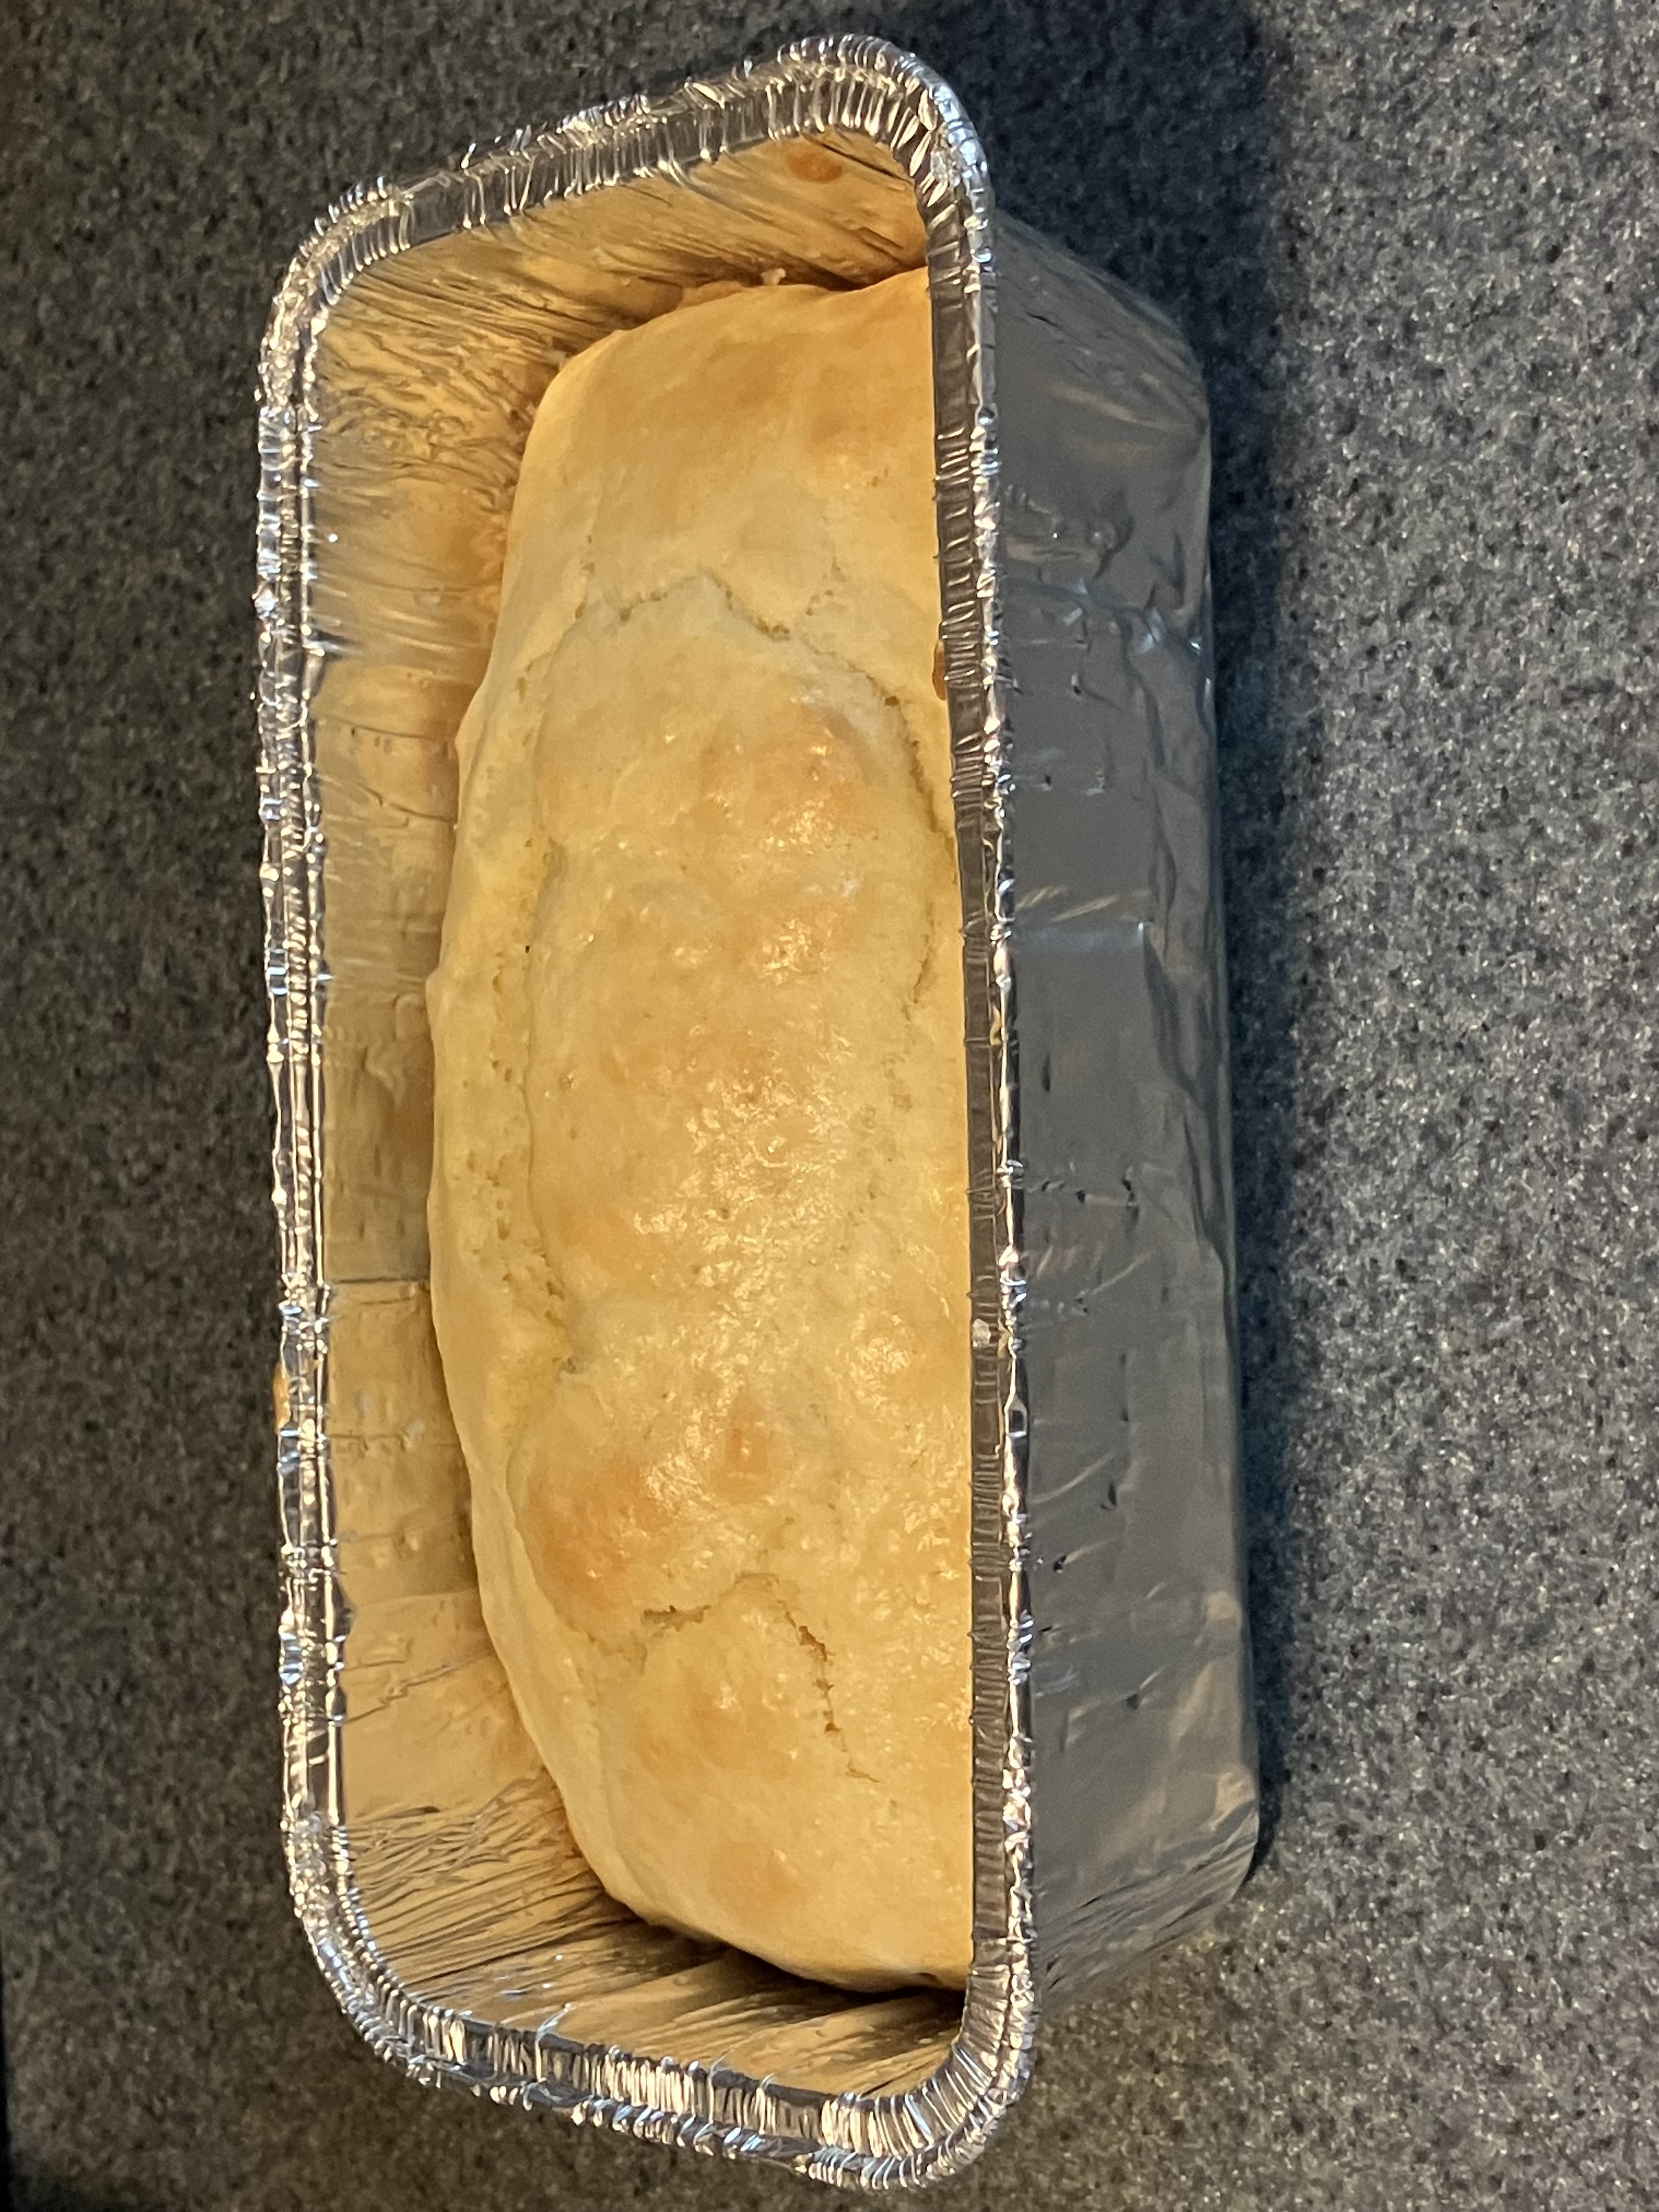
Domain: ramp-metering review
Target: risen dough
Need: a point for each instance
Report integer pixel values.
(699, 1228)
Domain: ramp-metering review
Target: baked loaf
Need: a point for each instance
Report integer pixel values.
(698, 1221)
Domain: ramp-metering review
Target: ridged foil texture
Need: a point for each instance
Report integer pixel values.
(1115, 1788)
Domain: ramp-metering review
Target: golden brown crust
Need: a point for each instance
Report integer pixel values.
(699, 1235)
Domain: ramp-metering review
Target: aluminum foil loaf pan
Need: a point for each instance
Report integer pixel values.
(1115, 1795)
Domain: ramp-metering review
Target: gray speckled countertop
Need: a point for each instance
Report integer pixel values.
(1413, 247)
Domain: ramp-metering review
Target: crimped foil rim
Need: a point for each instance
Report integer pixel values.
(875, 2141)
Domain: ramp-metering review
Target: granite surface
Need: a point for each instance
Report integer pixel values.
(1412, 244)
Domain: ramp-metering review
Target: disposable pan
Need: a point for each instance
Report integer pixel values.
(1115, 1795)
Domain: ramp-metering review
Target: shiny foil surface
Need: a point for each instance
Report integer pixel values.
(1115, 1787)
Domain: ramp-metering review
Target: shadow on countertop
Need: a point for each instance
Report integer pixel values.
(22, 2189)
(27, 2193)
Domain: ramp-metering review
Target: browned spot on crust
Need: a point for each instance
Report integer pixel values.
(811, 163)
(938, 668)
